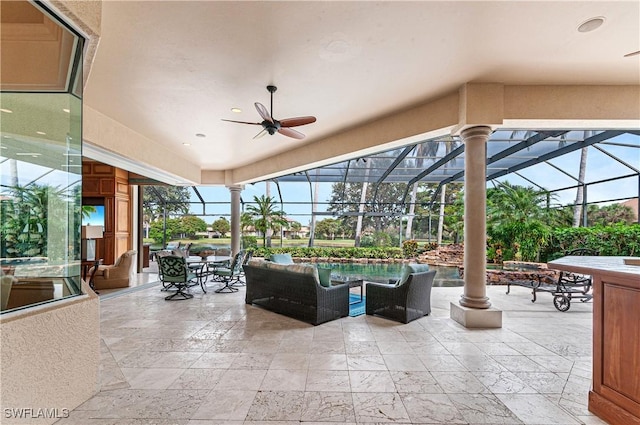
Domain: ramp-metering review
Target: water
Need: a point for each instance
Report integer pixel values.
(445, 276)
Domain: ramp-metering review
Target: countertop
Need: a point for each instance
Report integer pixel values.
(596, 265)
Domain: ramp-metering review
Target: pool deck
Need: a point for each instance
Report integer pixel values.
(214, 360)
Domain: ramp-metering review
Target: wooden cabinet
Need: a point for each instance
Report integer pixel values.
(110, 184)
(615, 395)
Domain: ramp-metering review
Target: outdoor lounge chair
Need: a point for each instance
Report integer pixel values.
(571, 286)
(408, 300)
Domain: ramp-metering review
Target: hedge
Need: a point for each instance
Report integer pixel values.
(310, 252)
(617, 240)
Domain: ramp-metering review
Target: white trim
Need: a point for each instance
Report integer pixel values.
(102, 155)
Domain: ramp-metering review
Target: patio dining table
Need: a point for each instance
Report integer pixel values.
(205, 267)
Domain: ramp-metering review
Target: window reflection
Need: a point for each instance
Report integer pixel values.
(40, 158)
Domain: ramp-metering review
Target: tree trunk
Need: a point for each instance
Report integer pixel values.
(412, 210)
(314, 208)
(577, 208)
(363, 198)
(443, 195)
(269, 231)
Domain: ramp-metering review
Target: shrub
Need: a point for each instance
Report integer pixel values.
(311, 252)
(430, 246)
(616, 240)
(410, 248)
(249, 242)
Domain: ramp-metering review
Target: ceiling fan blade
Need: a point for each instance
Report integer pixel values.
(263, 112)
(291, 133)
(262, 133)
(242, 122)
(294, 122)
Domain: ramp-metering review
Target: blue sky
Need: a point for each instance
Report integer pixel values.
(96, 218)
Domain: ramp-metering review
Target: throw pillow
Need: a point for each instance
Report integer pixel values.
(419, 268)
(324, 275)
(407, 269)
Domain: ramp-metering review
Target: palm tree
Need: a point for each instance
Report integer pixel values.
(363, 198)
(582, 173)
(450, 144)
(517, 218)
(246, 221)
(422, 150)
(266, 216)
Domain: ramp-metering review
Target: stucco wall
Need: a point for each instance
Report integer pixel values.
(49, 359)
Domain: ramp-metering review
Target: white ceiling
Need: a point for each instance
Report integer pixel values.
(169, 70)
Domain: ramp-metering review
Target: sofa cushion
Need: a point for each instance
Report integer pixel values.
(281, 258)
(324, 276)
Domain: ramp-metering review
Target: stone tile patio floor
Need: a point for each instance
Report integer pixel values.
(214, 360)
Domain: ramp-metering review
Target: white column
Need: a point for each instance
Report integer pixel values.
(235, 218)
(475, 217)
(475, 309)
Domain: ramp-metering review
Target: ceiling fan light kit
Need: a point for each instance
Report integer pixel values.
(271, 125)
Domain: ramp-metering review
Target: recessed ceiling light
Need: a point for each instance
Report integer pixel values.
(200, 135)
(6, 137)
(66, 110)
(8, 111)
(187, 144)
(628, 55)
(41, 132)
(33, 154)
(236, 110)
(591, 24)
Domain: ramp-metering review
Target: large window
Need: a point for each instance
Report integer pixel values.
(40, 157)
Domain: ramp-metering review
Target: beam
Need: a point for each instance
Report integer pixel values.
(558, 152)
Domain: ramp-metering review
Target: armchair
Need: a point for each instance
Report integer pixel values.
(405, 301)
(117, 275)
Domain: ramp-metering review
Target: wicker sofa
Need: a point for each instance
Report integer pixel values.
(295, 291)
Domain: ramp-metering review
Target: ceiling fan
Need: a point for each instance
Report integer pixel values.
(271, 125)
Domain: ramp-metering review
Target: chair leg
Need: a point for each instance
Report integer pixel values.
(179, 292)
(238, 282)
(229, 288)
(168, 286)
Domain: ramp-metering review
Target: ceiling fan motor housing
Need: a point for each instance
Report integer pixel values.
(271, 127)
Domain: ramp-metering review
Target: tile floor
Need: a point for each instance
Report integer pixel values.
(214, 360)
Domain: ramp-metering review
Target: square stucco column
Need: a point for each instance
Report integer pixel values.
(475, 309)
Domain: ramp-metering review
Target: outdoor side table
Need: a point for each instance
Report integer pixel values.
(353, 282)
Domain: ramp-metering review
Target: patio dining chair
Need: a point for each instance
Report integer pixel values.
(230, 275)
(239, 282)
(175, 276)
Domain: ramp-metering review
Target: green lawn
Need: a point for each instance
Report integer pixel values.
(274, 242)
